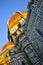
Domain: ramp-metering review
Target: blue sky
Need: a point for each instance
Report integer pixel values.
(7, 8)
